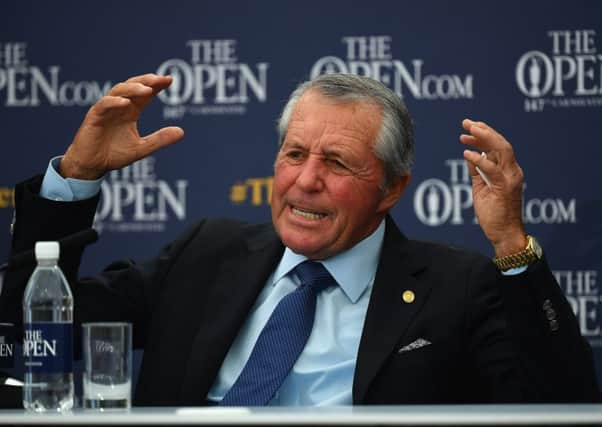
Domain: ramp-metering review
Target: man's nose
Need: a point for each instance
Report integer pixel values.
(311, 175)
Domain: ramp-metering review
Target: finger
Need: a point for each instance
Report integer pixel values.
(141, 89)
(148, 79)
(486, 139)
(475, 142)
(468, 139)
(155, 81)
(107, 104)
(474, 159)
(478, 179)
(131, 89)
(467, 123)
(481, 126)
(159, 139)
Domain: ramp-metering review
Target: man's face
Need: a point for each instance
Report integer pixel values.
(326, 195)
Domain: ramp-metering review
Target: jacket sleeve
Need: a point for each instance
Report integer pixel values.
(555, 360)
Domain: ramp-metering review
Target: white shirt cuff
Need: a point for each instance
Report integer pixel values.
(514, 271)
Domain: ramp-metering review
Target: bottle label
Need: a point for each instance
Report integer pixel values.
(7, 345)
(48, 347)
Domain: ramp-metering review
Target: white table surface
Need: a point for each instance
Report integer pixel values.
(441, 415)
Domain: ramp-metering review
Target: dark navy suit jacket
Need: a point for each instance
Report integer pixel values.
(491, 337)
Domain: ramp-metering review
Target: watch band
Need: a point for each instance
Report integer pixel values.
(531, 253)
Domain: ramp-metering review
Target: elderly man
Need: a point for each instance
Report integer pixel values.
(330, 304)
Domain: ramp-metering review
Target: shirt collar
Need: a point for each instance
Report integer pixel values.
(353, 269)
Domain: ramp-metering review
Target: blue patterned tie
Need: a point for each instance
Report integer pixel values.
(281, 341)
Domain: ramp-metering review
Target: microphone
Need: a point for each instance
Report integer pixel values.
(72, 241)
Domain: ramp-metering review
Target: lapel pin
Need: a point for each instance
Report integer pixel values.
(408, 297)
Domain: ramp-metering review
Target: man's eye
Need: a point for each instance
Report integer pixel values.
(338, 165)
(294, 155)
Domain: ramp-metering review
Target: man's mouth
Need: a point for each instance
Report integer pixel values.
(313, 215)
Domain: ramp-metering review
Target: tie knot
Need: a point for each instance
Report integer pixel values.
(315, 275)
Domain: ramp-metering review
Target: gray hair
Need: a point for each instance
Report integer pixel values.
(395, 141)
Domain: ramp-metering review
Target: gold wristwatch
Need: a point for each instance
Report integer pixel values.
(525, 257)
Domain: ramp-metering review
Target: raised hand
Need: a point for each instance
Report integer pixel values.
(108, 137)
(498, 206)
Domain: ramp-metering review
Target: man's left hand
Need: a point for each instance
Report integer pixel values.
(497, 204)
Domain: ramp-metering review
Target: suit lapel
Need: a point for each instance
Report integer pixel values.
(388, 316)
(240, 279)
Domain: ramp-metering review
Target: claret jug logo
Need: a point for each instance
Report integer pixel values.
(213, 82)
(371, 56)
(438, 202)
(135, 199)
(26, 85)
(568, 75)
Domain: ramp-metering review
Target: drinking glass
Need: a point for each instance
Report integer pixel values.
(107, 378)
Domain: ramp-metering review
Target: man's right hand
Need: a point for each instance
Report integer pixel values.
(108, 137)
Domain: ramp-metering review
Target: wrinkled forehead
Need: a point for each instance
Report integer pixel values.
(320, 120)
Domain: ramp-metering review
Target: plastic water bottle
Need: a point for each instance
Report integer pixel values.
(48, 335)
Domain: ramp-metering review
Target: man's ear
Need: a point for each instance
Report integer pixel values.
(393, 192)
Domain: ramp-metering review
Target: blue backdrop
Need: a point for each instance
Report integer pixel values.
(531, 69)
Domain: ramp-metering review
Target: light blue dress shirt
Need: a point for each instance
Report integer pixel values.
(323, 373)
(55, 187)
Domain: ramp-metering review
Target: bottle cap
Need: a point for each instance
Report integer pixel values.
(47, 250)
